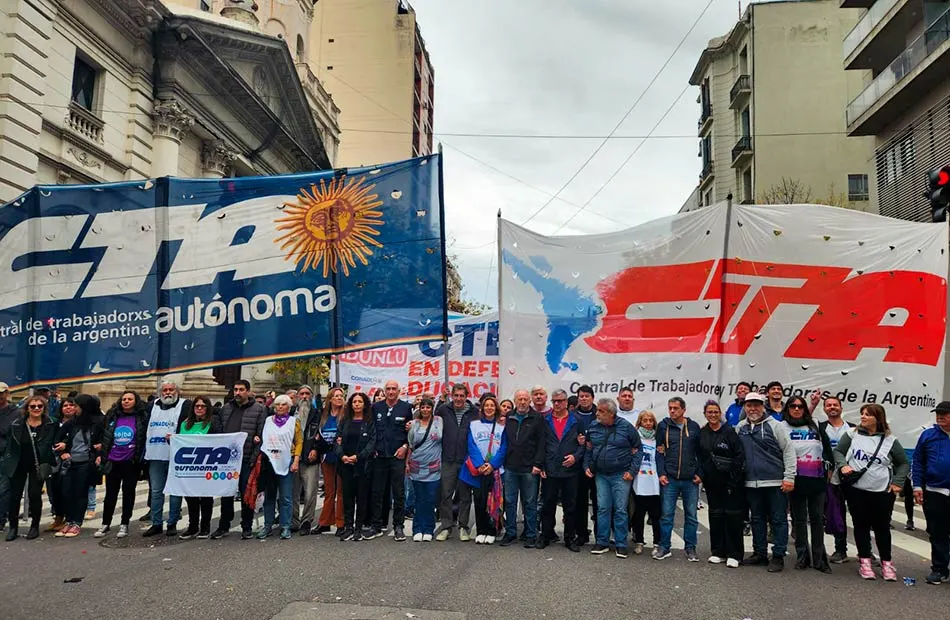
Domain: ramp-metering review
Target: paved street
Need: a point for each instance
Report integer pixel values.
(310, 578)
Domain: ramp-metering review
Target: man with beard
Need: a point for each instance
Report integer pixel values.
(457, 415)
(167, 412)
(307, 478)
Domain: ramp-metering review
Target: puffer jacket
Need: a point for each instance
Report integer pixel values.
(252, 415)
(613, 449)
(19, 440)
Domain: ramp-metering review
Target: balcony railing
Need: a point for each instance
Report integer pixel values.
(911, 58)
(84, 122)
(742, 147)
(706, 171)
(867, 23)
(743, 85)
(704, 116)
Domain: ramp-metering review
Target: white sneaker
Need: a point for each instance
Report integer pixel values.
(102, 531)
(714, 559)
(123, 531)
(732, 563)
(443, 536)
(489, 540)
(480, 539)
(427, 538)
(417, 537)
(464, 534)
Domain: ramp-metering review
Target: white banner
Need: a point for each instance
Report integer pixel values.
(815, 297)
(205, 465)
(473, 360)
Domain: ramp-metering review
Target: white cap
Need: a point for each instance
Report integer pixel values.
(755, 397)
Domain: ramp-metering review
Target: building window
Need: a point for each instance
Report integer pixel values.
(858, 187)
(84, 83)
(205, 6)
(331, 40)
(329, 67)
(301, 57)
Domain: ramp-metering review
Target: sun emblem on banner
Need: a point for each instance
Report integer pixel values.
(333, 224)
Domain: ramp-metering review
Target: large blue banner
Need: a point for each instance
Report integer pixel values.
(164, 275)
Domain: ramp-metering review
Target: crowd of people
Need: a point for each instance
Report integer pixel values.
(607, 466)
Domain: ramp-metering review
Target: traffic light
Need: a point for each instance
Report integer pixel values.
(938, 193)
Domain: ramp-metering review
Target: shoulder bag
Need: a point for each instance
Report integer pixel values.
(848, 480)
(43, 470)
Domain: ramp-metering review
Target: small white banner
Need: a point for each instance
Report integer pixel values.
(205, 465)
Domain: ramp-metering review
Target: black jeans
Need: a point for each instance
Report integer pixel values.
(199, 513)
(937, 513)
(389, 477)
(484, 525)
(586, 496)
(727, 511)
(908, 494)
(227, 504)
(808, 513)
(357, 485)
(871, 511)
(644, 505)
(124, 475)
(74, 490)
(552, 491)
(18, 481)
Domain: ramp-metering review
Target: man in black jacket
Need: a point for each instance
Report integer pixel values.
(247, 415)
(564, 457)
(524, 432)
(457, 415)
(7, 414)
(389, 467)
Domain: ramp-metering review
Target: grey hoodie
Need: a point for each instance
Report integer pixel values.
(769, 453)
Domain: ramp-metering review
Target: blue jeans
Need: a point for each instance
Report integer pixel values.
(613, 493)
(527, 486)
(157, 477)
(689, 491)
(768, 505)
(424, 520)
(410, 496)
(282, 486)
(91, 500)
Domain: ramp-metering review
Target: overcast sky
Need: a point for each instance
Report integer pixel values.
(562, 67)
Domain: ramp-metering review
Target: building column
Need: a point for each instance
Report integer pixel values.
(27, 27)
(216, 158)
(170, 122)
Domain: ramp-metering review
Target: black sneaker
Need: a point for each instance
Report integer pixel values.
(347, 534)
(322, 529)
(530, 543)
(755, 560)
(368, 533)
(398, 534)
(936, 578)
(155, 530)
(247, 534)
(305, 528)
(838, 557)
(146, 517)
(220, 533)
(747, 530)
(599, 549)
(555, 539)
(776, 564)
(203, 535)
(171, 531)
(507, 541)
(542, 543)
(341, 531)
(572, 546)
(621, 552)
(909, 526)
(191, 532)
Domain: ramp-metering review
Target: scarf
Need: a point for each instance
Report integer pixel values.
(280, 420)
(795, 422)
(647, 434)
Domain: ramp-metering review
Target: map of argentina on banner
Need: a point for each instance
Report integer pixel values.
(165, 275)
(473, 360)
(816, 297)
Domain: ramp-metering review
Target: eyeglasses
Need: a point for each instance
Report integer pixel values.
(36, 407)
(559, 400)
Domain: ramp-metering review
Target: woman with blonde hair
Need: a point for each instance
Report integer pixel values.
(319, 447)
(872, 466)
(646, 486)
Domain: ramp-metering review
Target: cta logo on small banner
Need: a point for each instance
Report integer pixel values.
(205, 465)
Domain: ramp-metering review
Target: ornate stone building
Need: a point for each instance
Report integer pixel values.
(98, 91)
